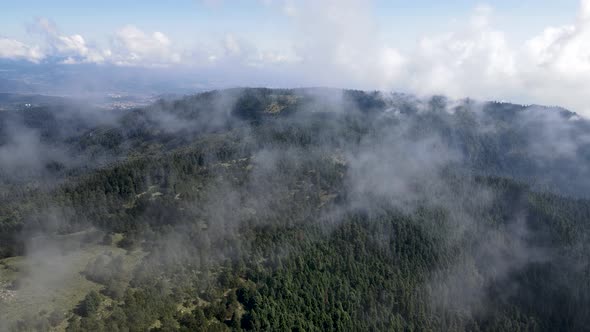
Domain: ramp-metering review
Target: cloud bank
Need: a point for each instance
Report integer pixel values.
(342, 41)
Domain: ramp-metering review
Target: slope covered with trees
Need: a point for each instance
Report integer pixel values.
(311, 209)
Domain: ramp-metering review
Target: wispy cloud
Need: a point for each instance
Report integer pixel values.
(16, 50)
(135, 47)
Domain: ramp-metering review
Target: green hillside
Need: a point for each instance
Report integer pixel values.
(306, 210)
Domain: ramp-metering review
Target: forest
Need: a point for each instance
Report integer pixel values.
(295, 209)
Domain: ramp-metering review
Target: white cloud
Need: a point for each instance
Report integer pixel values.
(290, 9)
(135, 47)
(472, 61)
(584, 14)
(340, 40)
(556, 63)
(13, 49)
(74, 48)
(554, 66)
(231, 45)
(338, 43)
(276, 58)
(237, 51)
(130, 46)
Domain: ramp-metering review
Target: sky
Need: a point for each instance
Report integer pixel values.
(523, 51)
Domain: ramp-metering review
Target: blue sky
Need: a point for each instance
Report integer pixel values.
(189, 20)
(525, 51)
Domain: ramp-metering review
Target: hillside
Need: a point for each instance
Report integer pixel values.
(304, 209)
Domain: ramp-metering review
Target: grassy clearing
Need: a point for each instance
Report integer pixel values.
(50, 277)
